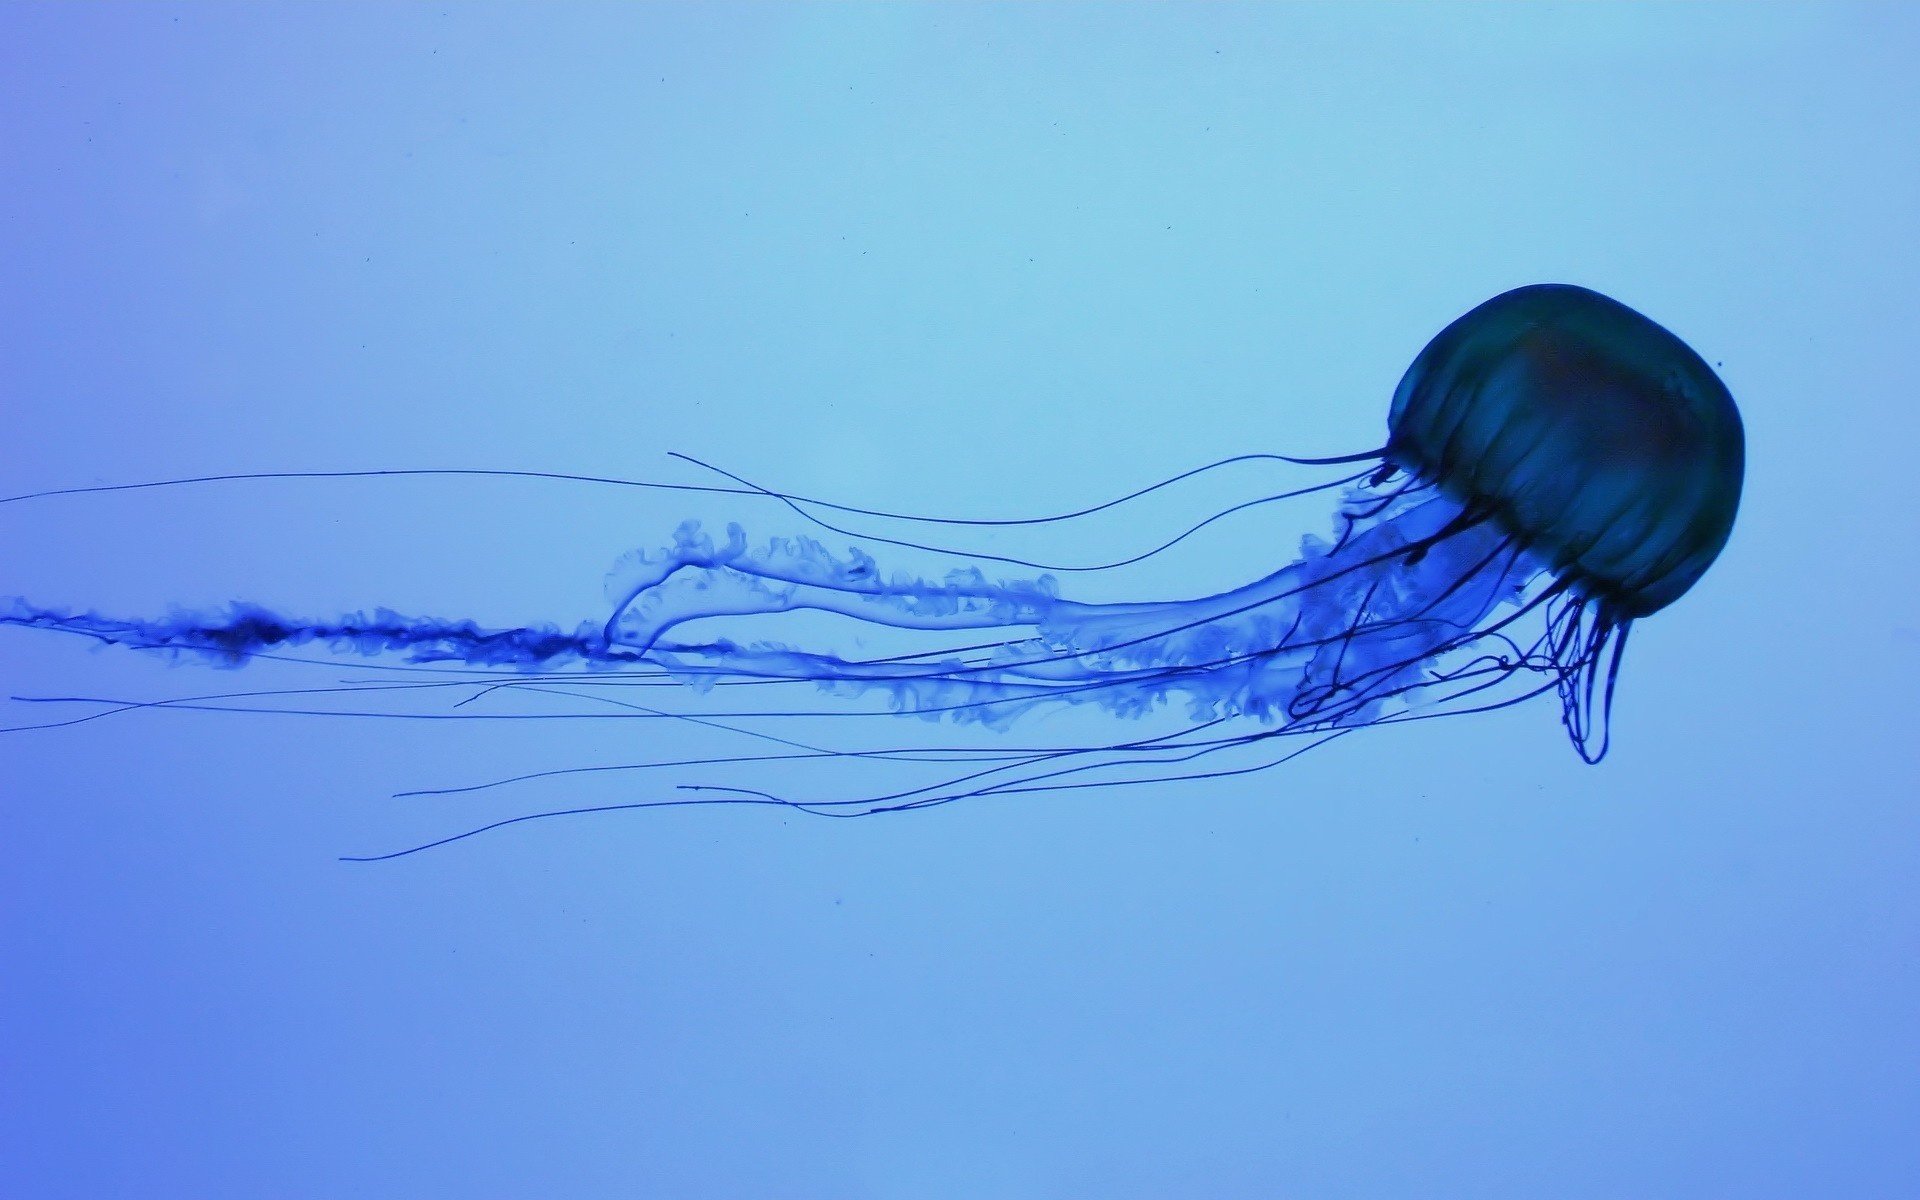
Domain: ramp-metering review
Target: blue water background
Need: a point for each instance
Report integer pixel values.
(977, 261)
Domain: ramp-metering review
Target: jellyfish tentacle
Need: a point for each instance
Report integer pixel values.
(800, 504)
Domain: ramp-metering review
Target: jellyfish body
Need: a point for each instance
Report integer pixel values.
(1557, 466)
(1599, 440)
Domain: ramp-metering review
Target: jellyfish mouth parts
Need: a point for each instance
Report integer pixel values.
(1414, 610)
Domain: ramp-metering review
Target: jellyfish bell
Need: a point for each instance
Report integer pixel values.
(1598, 438)
(1557, 467)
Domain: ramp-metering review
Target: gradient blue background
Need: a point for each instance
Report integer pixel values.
(967, 260)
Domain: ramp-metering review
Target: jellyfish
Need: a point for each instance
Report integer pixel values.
(1557, 466)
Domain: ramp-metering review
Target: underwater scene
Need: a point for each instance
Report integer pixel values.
(939, 601)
